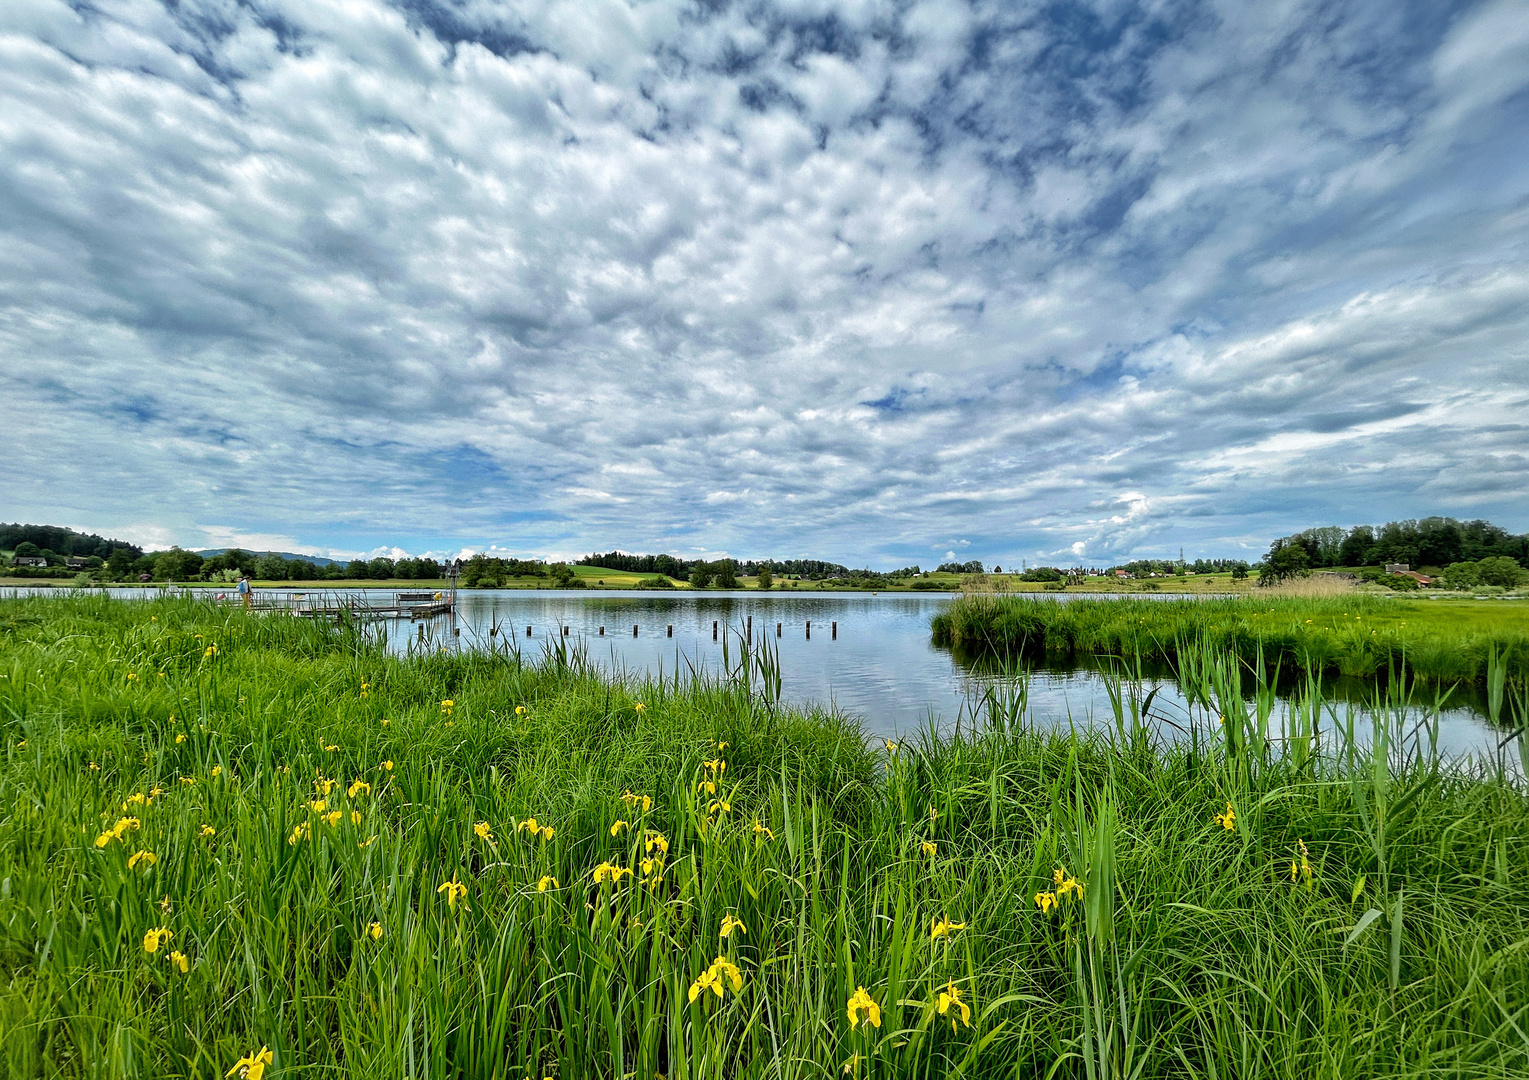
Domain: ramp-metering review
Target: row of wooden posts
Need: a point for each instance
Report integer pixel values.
(748, 630)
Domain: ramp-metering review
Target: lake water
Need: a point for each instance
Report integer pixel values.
(880, 665)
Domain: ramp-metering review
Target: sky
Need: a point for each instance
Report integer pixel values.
(885, 283)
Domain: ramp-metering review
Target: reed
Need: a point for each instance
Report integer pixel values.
(1345, 634)
(344, 856)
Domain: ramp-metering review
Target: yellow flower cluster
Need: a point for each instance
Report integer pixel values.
(530, 827)
(1065, 885)
(1228, 820)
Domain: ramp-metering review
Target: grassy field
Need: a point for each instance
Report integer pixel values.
(222, 834)
(1346, 634)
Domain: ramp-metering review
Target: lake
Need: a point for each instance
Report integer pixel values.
(879, 664)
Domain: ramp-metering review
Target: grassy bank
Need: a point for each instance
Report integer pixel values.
(342, 868)
(1354, 634)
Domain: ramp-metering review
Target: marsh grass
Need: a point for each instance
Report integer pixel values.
(1348, 634)
(1399, 948)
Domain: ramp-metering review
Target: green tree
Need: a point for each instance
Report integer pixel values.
(177, 565)
(764, 576)
(1501, 570)
(701, 575)
(727, 574)
(1461, 575)
(272, 568)
(120, 563)
(1287, 558)
(562, 575)
(1239, 573)
(379, 569)
(28, 549)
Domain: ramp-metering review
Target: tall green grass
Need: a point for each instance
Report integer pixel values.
(1355, 635)
(343, 947)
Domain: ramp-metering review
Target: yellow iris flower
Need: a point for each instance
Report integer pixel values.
(454, 891)
(928, 848)
(1227, 820)
(178, 960)
(483, 832)
(761, 830)
(635, 801)
(859, 1002)
(950, 998)
(208, 830)
(253, 1066)
(156, 937)
(729, 924)
(548, 882)
(655, 840)
(610, 872)
(358, 787)
(148, 858)
(939, 928)
(713, 978)
(617, 826)
(374, 931)
(1046, 901)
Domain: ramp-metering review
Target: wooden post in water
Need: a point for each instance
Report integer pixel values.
(809, 629)
(602, 631)
(528, 631)
(493, 631)
(671, 629)
(835, 625)
(565, 631)
(714, 629)
(777, 629)
(748, 629)
(634, 629)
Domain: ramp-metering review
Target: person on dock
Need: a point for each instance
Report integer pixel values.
(244, 590)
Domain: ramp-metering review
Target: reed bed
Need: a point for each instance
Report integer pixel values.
(245, 845)
(1346, 633)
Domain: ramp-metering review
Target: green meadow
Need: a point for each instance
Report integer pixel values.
(265, 846)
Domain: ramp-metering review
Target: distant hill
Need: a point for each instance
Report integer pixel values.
(62, 541)
(316, 560)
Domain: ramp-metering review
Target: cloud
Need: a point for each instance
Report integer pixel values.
(824, 276)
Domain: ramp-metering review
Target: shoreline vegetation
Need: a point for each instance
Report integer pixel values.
(1298, 628)
(231, 839)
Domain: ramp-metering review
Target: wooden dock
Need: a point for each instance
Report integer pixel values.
(326, 605)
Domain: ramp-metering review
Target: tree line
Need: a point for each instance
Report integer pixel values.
(1466, 553)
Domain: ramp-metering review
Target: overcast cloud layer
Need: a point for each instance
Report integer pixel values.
(866, 281)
